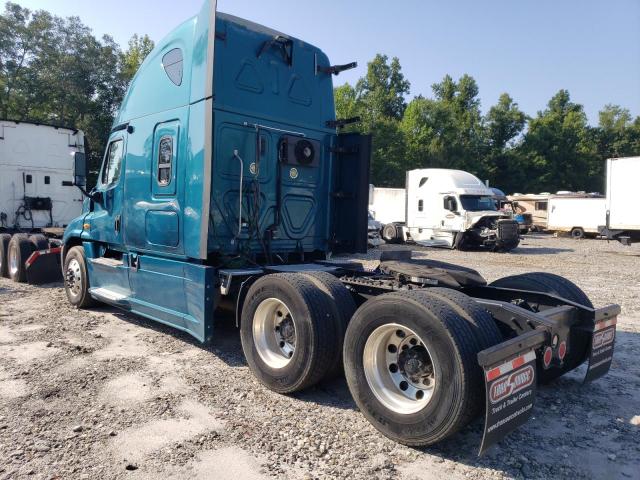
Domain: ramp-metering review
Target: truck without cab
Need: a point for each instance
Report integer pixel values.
(225, 182)
(37, 197)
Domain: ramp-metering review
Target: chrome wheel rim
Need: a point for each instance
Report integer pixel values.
(274, 333)
(13, 261)
(399, 368)
(73, 277)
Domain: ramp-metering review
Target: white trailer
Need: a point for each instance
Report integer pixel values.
(578, 215)
(447, 208)
(387, 205)
(37, 195)
(622, 215)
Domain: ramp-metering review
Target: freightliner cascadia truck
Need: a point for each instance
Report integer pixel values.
(227, 182)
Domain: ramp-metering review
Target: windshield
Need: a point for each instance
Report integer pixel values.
(476, 203)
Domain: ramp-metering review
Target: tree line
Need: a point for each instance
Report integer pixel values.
(556, 149)
(54, 70)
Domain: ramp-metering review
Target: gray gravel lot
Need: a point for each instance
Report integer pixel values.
(104, 394)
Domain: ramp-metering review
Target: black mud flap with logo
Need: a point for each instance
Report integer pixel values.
(602, 343)
(511, 388)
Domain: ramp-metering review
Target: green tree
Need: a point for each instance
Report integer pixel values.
(54, 70)
(139, 48)
(504, 124)
(616, 134)
(382, 90)
(560, 153)
(446, 131)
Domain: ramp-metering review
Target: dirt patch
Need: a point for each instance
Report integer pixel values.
(13, 388)
(28, 352)
(120, 386)
(133, 444)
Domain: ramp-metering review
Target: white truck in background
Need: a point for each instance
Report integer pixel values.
(577, 214)
(37, 196)
(443, 208)
(622, 215)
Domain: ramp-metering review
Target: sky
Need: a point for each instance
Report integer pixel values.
(527, 48)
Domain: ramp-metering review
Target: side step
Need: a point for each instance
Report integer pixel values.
(109, 296)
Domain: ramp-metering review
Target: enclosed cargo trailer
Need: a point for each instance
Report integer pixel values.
(578, 215)
(622, 213)
(227, 181)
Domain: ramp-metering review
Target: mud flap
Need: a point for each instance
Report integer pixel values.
(511, 388)
(43, 266)
(601, 354)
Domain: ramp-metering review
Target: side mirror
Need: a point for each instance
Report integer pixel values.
(79, 169)
(450, 204)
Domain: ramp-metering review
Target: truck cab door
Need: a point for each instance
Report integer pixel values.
(106, 218)
(350, 193)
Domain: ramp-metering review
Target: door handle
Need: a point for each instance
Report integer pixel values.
(116, 224)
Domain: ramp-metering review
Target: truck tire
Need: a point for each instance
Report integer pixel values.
(577, 233)
(76, 278)
(20, 248)
(579, 341)
(390, 233)
(343, 307)
(288, 332)
(4, 250)
(39, 241)
(485, 327)
(410, 364)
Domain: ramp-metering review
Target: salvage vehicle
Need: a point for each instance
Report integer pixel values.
(227, 182)
(454, 209)
(37, 197)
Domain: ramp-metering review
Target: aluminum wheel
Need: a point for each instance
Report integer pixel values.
(73, 277)
(399, 368)
(274, 333)
(13, 260)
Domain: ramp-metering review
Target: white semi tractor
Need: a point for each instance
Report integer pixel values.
(37, 196)
(444, 208)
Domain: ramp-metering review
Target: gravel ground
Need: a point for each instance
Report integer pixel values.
(104, 394)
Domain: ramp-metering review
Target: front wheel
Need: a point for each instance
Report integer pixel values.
(76, 279)
(411, 366)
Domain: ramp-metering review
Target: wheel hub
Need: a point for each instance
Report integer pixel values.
(399, 368)
(73, 277)
(274, 333)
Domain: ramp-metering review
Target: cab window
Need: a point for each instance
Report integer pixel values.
(113, 163)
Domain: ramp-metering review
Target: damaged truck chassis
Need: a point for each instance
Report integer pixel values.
(236, 197)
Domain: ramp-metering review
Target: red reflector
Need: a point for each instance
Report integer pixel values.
(493, 373)
(547, 356)
(518, 362)
(562, 350)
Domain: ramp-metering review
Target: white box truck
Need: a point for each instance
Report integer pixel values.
(37, 196)
(578, 215)
(445, 208)
(622, 215)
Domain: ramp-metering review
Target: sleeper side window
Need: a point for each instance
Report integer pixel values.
(172, 64)
(113, 163)
(165, 158)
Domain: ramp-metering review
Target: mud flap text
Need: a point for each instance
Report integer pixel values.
(602, 343)
(510, 396)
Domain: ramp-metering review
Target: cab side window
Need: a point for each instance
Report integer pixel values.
(113, 163)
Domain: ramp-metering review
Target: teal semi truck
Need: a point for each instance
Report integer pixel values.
(227, 183)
